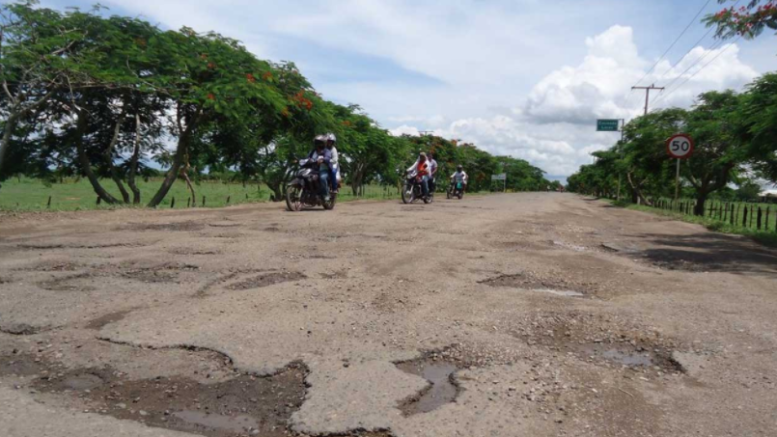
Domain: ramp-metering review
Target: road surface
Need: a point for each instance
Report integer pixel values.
(538, 314)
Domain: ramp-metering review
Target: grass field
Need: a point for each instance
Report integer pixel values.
(33, 195)
(766, 236)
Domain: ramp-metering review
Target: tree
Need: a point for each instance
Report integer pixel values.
(39, 55)
(759, 119)
(747, 21)
(720, 152)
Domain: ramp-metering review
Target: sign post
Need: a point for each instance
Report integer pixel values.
(612, 125)
(607, 125)
(679, 146)
(500, 177)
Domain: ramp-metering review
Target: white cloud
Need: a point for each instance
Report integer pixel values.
(555, 128)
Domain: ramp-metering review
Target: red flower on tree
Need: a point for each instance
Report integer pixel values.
(211, 96)
(250, 78)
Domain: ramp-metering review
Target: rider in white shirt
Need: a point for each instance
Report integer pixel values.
(335, 169)
(460, 176)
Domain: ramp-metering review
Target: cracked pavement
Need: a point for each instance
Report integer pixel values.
(207, 294)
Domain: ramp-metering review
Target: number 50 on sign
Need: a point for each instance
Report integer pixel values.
(680, 146)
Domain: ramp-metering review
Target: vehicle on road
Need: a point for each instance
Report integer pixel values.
(456, 189)
(303, 191)
(413, 191)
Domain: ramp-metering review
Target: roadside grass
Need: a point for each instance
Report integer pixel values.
(767, 238)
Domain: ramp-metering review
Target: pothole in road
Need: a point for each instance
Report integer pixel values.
(266, 280)
(243, 405)
(601, 341)
(179, 226)
(532, 283)
(442, 389)
(102, 321)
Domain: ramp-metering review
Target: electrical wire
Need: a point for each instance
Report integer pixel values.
(666, 96)
(693, 20)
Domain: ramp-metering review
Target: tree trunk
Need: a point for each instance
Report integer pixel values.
(190, 186)
(133, 170)
(172, 175)
(109, 162)
(701, 199)
(10, 127)
(84, 161)
(275, 187)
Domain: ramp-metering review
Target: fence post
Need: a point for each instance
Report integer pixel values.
(189, 202)
(768, 210)
(172, 203)
(725, 214)
(733, 215)
(752, 213)
(48, 205)
(203, 201)
(228, 199)
(98, 200)
(744, 218)
(760, 216)
(246, 196)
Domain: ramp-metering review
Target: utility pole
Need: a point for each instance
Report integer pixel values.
(647, 93)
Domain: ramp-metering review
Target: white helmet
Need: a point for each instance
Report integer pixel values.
(331, 137)
(323, 138)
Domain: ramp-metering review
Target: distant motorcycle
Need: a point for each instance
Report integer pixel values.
(456, 189)
(303, 191)
(412, 190)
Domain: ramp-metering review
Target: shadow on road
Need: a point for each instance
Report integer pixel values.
(709, 252)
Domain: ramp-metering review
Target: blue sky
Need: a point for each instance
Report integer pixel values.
(521, 77)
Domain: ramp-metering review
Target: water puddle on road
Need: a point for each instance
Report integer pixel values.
(442, 390)
(237, 424)
(621, 356)
(562, 293)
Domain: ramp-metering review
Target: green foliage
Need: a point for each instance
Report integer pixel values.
(92, 96)
(749, 20)
(733, 134)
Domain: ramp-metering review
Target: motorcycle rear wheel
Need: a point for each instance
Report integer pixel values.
(331, 204)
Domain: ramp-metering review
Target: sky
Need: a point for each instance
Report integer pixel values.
(526, 78)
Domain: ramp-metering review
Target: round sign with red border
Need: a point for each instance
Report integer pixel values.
(680, 146)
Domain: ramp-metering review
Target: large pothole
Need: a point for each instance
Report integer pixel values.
(530, 282)
(443, 389)
(245, 405)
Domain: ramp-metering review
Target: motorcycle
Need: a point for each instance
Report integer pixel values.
(302, 191)
(456, 189)
(413, 191)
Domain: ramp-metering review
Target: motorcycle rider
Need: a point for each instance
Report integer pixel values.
(460, 177)
(323, 157)
(422, 167)
(335, 170)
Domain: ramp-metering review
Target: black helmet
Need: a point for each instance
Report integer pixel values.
(459, 167)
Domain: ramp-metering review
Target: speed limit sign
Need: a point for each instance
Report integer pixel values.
(680, 146)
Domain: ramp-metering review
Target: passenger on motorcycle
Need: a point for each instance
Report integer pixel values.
(323, 157)
(432, 174)
(460, 177)
(335, 176)
(421, 166)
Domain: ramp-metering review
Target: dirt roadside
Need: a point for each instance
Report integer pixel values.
(510, 315)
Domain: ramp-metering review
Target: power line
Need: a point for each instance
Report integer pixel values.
(695, 63)
(694, 46)
(693, 20)
(664, 97)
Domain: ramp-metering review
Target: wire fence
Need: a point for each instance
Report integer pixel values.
(754, 216)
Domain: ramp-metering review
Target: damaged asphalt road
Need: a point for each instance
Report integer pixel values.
(505, 315)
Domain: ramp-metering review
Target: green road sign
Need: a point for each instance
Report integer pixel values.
(607, 125)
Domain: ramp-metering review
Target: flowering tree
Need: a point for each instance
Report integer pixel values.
(747, 21)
